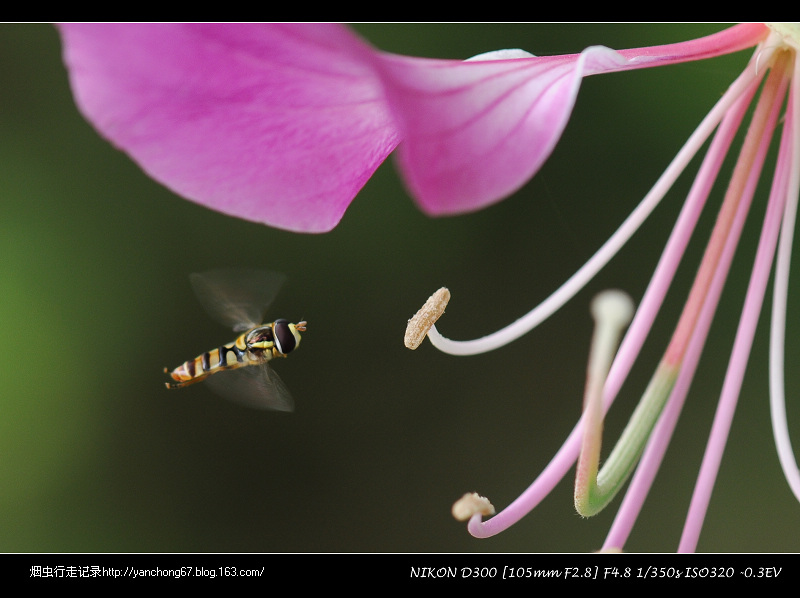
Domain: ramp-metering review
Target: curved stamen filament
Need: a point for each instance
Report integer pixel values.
(654, 452)
(594, 492)
(610, 248)
(735, 101)
(676, 245)
(780, 294)
(772, 101)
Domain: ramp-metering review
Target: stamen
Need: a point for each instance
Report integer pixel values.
(425, 318)
(593, 489)
(610, 248)
(471, 504)
(566, 456)
(662, 433)
(745, 174)
(780, 425)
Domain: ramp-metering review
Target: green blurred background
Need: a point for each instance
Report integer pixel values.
(96, 456)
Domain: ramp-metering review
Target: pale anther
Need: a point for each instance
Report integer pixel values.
(425, 318)
(472, 504)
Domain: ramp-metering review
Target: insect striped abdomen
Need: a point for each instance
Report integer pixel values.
(226, 357)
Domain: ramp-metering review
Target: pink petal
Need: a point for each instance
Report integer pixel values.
(280, 124)
(474, 132)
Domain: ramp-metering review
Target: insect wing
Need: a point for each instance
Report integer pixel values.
(237, 298)
(256, 386)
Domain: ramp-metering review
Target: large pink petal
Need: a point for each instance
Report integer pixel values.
(280, 124)
(474, 132)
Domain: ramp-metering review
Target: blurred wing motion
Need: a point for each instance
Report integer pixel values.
(259, 387)
(238, 298)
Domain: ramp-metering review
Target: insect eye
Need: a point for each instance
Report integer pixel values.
(284, 339)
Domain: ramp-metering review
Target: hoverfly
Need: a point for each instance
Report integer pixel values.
(238, 299)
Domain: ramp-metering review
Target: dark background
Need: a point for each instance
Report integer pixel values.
(96, 456)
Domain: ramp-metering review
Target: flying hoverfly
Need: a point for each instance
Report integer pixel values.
(238, 299)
